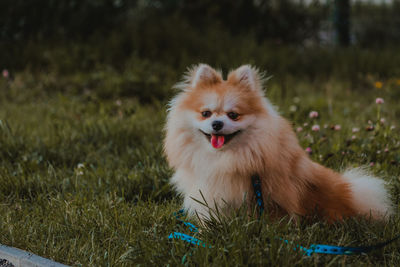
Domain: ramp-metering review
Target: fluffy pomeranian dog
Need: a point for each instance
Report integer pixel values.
(219, 133)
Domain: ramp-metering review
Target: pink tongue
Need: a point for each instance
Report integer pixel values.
(217, 141)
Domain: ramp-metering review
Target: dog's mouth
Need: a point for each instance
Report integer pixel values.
(219, 140)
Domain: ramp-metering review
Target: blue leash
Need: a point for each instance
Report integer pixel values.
(314, 248)
(184, 237)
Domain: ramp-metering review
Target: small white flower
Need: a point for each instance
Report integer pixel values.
(293, 108)
(80, 166)
(355, 130)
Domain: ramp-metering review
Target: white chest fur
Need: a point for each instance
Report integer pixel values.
(210, 187)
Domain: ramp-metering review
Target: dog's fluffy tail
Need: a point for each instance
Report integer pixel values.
(369, 193)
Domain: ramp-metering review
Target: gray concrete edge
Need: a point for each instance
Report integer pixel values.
(21, 258)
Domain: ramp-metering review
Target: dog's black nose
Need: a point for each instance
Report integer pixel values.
(217, 125)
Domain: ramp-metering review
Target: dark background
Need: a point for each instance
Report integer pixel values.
(143, 44)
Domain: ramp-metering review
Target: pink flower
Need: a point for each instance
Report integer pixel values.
(315, 128)
(337, 127)
(6, 74)
(308, 150)
(299, 129)
(370, 128)
(379, 100)
(313, 114)
(372, 164)
(353, 137)
(386, 150)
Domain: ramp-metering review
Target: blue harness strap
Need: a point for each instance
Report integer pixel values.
(314, 248)
(255, 179)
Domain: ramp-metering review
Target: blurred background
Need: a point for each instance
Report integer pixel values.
(140, 48)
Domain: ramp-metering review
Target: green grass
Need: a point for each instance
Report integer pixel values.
(83, 179)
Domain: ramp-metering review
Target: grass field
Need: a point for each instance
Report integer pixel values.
(83, 179)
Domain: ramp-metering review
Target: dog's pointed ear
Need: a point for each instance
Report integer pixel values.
(198, 75)
(246, 76)
(204, 74)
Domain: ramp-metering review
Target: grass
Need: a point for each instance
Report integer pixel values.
(83, 179)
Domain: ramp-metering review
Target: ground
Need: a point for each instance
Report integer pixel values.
(83, 179)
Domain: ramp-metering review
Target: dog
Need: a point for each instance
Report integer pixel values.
(219, 133)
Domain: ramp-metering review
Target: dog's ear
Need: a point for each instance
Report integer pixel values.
(199, 75)
(246, 76)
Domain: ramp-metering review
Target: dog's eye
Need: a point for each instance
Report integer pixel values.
(233, 115)
(206, 114)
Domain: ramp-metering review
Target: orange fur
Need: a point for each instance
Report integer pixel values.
(266, 145)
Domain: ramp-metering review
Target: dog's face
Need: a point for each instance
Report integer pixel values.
(220, 113)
